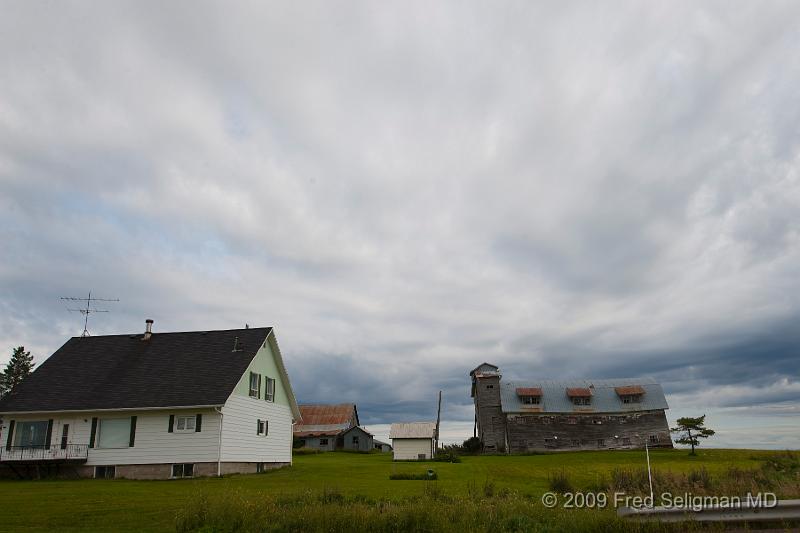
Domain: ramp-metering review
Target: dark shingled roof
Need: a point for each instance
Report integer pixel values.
(125, 372)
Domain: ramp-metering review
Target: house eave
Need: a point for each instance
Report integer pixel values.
(115, 409)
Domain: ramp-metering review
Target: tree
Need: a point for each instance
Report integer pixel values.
(18, 367)
(472, 445)
(691, 430)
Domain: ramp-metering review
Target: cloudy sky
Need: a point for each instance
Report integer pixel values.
(564, 189)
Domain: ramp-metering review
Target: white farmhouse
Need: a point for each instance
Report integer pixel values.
(152, 406)
(413, 441)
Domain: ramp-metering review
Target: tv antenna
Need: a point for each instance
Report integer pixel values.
(88, 309)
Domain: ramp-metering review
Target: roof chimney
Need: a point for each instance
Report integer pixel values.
(148, 330)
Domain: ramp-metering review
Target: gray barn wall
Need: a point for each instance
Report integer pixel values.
(527, 432)
(364, 440)
(490, 417)
(314, 442)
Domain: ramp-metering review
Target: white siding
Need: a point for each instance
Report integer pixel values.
(410, 449)
(153, 442)
(240, 443)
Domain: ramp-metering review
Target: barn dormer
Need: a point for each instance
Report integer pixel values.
(580, 395)
(529, 395)
(630, 393)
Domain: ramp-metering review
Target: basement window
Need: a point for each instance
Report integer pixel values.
(601, 443)
(653, 439)
(549, 443)
(626, 441)
(575, 443)
(183, 470)
(105, 472)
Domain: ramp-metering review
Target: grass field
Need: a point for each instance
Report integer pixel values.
(124, 505)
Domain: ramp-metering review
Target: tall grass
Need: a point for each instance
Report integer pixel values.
(432, 511)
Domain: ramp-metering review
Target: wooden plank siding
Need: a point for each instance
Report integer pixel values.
(490, 417)
(541, 432)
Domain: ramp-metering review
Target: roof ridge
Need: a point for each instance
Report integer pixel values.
(199, 331)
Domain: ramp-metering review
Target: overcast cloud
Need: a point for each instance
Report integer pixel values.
(405, 191)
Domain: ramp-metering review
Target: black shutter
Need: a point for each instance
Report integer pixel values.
(10, 440)
(259, 386)
(171, 423)
(198, 423)
(266, 427)
(49, 439)
(133, 432)
(93, 434)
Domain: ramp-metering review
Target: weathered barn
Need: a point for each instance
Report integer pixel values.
(587, 414)
(413, 441)
(381, 446)
(332, 427)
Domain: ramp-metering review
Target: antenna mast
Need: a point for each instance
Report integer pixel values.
(88, 309)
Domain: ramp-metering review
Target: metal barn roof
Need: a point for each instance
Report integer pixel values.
(322, 420)
(413, 430)
(605, 399)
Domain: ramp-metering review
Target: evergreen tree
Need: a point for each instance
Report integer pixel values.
(691, 430)
(20, 365)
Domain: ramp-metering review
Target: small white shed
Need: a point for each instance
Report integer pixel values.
(413, 441)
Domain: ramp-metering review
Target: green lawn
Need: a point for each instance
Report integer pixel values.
(122, 505)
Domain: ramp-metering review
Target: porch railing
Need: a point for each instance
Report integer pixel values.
(70, 452)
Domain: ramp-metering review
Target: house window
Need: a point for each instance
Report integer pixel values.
(626, 441)
(531, 400)
(653, 439)
(489, 386)
(582, 400)
(572, 420)
(255, 385)
(269, 392)
(323, 442)
(259, 468)
(64, 436)
(601, 443)
(185, 423)
(302, 443)
(105, 472)
(355, 440)
(183, 470)
(31, 434)
(260, 427)
(114, 432)
(575, 443)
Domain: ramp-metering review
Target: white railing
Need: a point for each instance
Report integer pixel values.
(69, 452)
